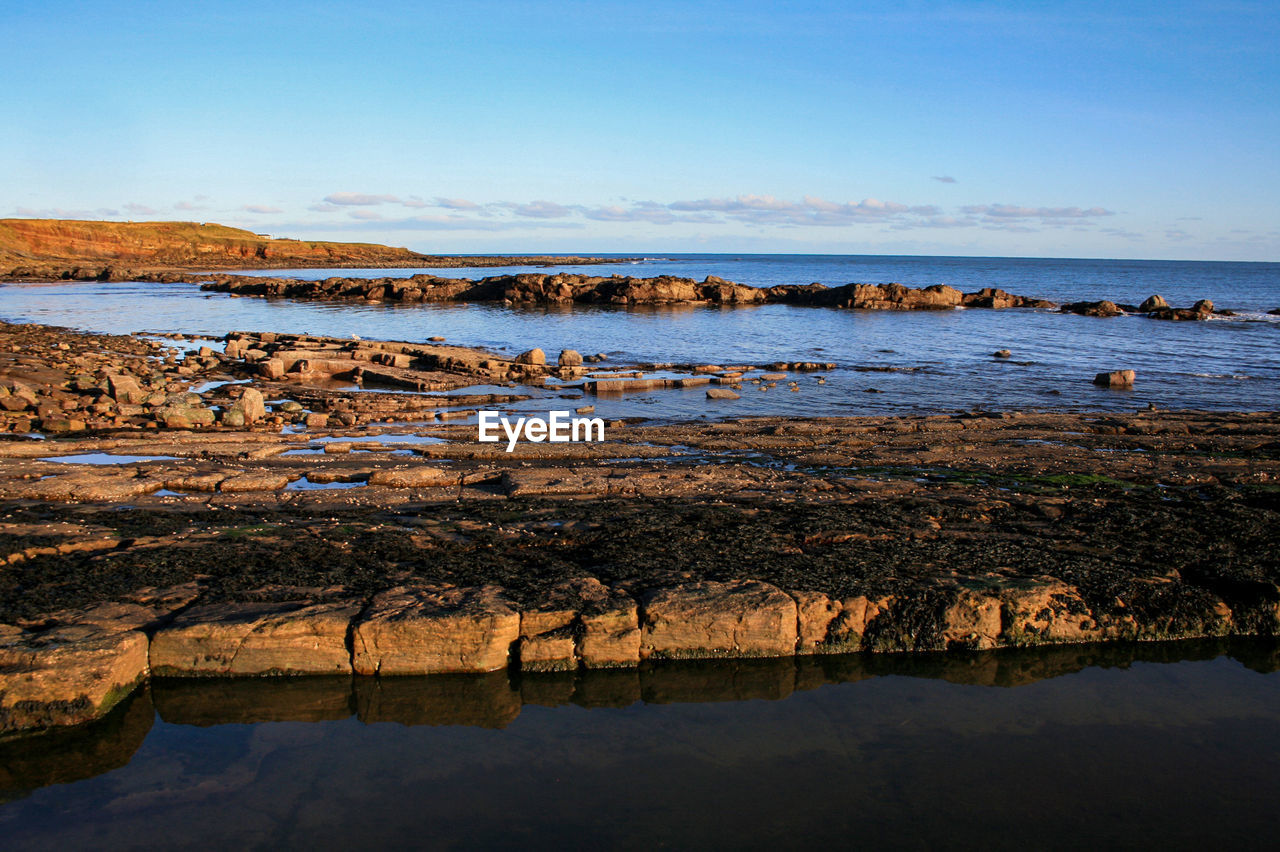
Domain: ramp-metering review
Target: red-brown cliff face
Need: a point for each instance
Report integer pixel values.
(176, 244)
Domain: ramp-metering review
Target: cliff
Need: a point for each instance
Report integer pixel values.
(176, 244)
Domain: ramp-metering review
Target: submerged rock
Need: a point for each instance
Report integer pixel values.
(1115, 379)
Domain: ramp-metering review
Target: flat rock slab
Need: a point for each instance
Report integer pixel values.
(420, 476)
(67, 675)
(256, 639)
(741, 618)
(254, 482)
(104, 486)
(435, 629)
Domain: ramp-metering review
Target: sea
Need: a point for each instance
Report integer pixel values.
(887, 362)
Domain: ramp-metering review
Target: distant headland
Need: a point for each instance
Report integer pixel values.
(50, 247)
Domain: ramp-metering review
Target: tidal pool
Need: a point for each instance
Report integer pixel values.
(1159, 746)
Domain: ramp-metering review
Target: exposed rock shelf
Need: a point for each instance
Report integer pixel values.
(760, 538)
(561, 288)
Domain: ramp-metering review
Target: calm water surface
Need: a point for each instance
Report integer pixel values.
(1160, 746)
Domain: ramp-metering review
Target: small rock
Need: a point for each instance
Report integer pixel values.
(436, 339)
(1002, 353)
(721, 393)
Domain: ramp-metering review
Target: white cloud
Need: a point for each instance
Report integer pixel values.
(1013, 211)
(360, 199)
(260, 208)
(540, 209)
(62, 213)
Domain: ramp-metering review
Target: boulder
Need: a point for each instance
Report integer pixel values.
(1002, 353)
(533, 356)
(256, 639)
(252, 405)
(271, 369)
(1115, 379)
(125, 389)
(431, 629)
(740, 618)
(1153, 303)
(1204, 306)
(185, 416)
(569, 358)
(721, 393)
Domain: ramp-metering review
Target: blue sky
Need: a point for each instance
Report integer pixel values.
(984, 128)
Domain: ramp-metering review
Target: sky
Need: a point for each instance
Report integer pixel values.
(1071, 129)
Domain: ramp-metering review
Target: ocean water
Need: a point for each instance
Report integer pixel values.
(1155, 746)
(887, 362)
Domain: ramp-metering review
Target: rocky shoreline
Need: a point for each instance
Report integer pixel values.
(283, 526)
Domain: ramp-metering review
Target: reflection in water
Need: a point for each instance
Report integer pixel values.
(1160, 744)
